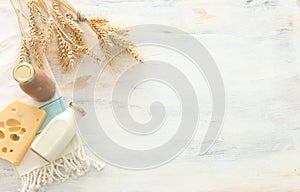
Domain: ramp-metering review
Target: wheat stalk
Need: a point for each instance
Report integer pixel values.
(58, 21)
(35, 7)
(57, 12)
(110, 37)
(24, 55)
(65, 52)
(50, 30)
(37, 39)
(76, 32)
(134, 54)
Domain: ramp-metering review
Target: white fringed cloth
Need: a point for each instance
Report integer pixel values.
(70, 166)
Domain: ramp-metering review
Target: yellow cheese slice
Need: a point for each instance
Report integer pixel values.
(19, 123)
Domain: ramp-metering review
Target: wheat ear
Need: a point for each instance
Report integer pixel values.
(110, 37)
(37, 39)
(24, 55)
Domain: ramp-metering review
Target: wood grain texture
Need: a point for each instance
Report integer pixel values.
(256, 45)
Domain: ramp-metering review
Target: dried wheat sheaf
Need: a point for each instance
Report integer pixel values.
(56, 22)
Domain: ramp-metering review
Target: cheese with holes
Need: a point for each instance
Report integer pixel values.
(19, 123)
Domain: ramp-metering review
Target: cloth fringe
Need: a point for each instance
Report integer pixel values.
(73, 165)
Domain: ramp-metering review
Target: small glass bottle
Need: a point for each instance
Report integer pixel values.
(34, 82)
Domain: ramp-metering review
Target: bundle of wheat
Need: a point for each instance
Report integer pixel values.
(58, 23)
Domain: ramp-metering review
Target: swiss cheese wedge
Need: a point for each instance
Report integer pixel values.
(19, 123)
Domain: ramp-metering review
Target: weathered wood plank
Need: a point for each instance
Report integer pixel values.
(256, 45)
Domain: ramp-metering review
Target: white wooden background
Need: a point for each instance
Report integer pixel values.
(256, 45)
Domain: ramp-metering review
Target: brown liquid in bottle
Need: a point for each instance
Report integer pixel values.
(34, 82)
